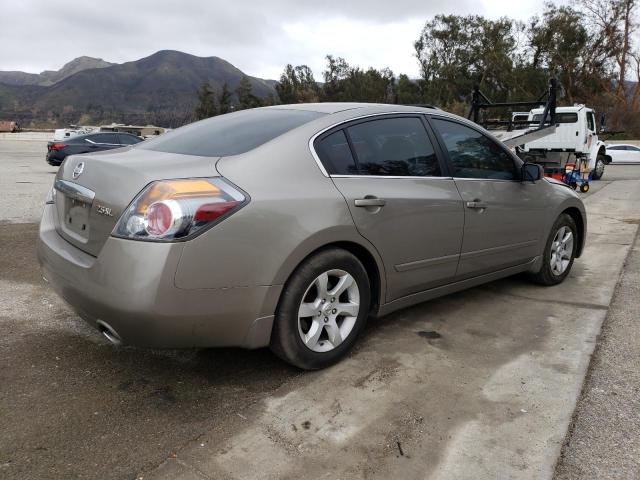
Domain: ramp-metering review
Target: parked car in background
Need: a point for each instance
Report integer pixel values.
(201, 238)
(57, 151)
(624, 153)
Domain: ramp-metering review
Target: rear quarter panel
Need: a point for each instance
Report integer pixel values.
(294, 210)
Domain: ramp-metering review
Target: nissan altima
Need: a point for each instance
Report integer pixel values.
(289, 226)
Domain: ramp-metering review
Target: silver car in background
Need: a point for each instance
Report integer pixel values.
(288, 226)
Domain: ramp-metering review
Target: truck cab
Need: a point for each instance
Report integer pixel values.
(575, 139)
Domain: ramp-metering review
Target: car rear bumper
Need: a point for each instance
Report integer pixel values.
(130, 288)
(55, 158)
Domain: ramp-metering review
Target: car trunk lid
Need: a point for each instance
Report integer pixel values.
(93, 190)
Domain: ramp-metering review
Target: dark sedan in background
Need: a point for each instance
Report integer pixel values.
(92, 142)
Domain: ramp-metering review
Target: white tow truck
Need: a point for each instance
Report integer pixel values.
(564, 140)
(574, 140)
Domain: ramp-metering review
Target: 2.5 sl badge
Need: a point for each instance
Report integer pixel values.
(102, 210)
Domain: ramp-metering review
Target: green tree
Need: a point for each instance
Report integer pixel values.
(559, 43)
(206, 102)
(297, 85)
(408, 91)
(457, 52)
(224, 99)
(246, 99)
(344, 83)
(336, 72)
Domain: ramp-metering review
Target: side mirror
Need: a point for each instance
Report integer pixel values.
(532, 172)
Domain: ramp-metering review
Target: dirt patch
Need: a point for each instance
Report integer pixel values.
(18, 253)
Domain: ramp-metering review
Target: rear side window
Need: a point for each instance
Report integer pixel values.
(394, 147)
(106, 138)
(128, 139)
(336, 155)
(232, 133)
(474, 155)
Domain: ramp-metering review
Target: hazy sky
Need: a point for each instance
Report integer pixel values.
(257, 37)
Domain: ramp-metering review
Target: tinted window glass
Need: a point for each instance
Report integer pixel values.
(230, 134)
(335, 154)
(474, 155)
(394, 146)
(128, 139)
(591, 122)
(616, 147)
(110, 138)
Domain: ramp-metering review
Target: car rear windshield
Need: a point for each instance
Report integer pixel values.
(230, 134)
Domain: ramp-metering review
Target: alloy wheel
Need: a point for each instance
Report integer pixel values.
(328, 310)
(561, 250)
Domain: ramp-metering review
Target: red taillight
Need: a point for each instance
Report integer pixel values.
(159, 219)
(169, 210)
(211, 211)
(57, 146)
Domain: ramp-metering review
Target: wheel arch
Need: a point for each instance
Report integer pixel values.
(369, 258)
(603, 151)
(577, 217)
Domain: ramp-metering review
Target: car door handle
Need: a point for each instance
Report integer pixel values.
(476, 204)
(370, 202)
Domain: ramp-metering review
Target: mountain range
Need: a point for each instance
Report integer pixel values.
(49, 77)
(160, 89)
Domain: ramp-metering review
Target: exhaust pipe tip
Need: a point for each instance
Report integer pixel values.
(109, 333)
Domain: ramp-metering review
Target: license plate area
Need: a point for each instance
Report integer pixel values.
(76, 219)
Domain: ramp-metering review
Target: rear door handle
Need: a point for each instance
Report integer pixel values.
(476, 204)
(370, 202)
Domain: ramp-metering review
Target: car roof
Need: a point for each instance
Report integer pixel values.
(336, 107)
(91, 134)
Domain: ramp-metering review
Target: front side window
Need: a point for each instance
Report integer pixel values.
(591, 122)
(473, 154)
(394, 147)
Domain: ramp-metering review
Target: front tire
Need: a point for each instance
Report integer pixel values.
(598, 170)
(322, 310)
(559, 252)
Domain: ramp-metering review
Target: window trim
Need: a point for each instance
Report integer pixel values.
(517, 161)
(344, 124)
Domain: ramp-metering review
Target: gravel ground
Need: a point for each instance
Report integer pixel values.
(604, 439)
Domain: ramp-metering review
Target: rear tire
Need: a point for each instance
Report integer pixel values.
(598, 170)
(322, 310)
(559, 252)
